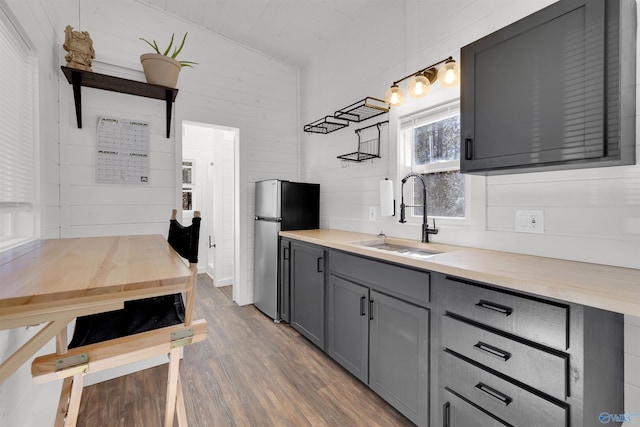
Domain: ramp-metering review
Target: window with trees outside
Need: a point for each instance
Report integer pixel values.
(429, 144)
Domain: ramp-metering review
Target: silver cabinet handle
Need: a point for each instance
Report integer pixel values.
(493, 393)
(492, 351)
(495, 307)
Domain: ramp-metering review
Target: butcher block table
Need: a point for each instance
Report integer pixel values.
(52, 282)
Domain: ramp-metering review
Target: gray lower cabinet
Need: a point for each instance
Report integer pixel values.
(381, 339)
(307, 282)
(515, 359)
(398, 355)
(348, 334)
(284, 282)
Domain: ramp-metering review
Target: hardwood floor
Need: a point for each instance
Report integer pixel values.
(249, 372)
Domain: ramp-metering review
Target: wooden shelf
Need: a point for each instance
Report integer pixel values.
(79, 78)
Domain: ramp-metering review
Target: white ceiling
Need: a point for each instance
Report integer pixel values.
(294, 31)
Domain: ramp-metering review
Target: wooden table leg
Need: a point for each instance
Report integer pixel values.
(181, 410)
(172, 386)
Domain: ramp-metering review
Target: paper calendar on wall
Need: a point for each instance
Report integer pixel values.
(122, 151)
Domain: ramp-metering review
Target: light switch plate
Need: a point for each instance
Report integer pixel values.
(529, 221)
(373, 213)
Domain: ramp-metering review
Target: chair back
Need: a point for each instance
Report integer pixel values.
(184, 239)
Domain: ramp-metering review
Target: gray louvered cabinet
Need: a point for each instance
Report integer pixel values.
(554, 90)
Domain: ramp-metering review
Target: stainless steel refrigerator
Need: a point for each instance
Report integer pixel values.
(280, 205)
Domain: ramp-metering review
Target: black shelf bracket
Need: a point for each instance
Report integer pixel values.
(78, 78)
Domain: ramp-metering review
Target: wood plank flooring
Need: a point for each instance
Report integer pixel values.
(249, 372)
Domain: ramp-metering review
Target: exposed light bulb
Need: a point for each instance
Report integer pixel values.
(449, 74)
(419, 86)
(394, 96)
(449, 77)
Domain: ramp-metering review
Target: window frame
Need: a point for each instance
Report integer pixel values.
(26, 227)
(190, 186)
(406, 124)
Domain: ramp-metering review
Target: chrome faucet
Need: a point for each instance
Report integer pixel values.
(425, 226)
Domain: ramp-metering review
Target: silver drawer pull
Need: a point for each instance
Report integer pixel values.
(492, 351)
(502, 398)
(495, 307)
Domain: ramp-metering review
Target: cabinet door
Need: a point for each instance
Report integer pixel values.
(348, 326)
(398, 364)
(533, 93)
(307, 291)
(457, 412)
(284, 280)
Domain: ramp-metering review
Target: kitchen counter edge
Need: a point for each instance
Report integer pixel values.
(606, 287)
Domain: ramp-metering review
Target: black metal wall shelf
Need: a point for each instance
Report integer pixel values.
(367, 150)
(363, 110)
(325, 125)
(78, 78)
(356, 112)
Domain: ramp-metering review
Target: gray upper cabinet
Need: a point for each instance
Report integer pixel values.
(307, 291)
(555, 90)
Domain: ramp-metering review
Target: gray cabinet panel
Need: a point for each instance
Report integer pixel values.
(458, 412)
(545, 91)
(284, 280)
(348, 338)
(398, 369)
(307, 291)
(543, 370)
(411, 285)
(504, 400)
(540, 321)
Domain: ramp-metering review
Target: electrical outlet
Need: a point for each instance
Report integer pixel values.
(372, 213)
(529, 221)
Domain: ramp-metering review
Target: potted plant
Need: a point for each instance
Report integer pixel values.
(163, 68)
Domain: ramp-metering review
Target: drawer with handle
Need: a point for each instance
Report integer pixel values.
(538, 320)
(545, 370)
(457, 412)
(503, 399)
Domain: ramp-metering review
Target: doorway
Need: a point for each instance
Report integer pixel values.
(208, 186)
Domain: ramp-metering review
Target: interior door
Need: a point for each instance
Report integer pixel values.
(209, 200)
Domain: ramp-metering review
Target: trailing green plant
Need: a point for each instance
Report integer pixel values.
(176, 50)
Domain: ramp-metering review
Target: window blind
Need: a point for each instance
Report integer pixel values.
(17, 144)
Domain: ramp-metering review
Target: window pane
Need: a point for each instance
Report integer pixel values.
(186, 175)
(445, 194)
(187, 200)
(437, 141)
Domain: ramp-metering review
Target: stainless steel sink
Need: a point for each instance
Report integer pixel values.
(395, 248)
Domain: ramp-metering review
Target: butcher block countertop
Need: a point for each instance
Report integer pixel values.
(602, 286)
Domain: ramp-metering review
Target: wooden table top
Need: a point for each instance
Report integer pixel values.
(54, 275)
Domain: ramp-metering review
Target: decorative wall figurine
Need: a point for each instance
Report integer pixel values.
(80, 48)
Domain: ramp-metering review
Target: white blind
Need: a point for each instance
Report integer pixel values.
(17, 154)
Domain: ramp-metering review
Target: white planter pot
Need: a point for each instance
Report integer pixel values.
(160, 70)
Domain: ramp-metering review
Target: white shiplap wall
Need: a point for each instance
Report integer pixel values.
(232, 86)
(591, 215)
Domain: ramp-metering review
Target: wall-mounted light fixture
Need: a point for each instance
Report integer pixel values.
(421, 81)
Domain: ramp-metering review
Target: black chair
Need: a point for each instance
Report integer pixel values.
(145, 315)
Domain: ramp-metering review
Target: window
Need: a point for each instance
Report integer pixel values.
(187, 185)
(18, 165)
(429, 145)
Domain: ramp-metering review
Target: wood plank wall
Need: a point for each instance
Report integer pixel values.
(590, 215)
